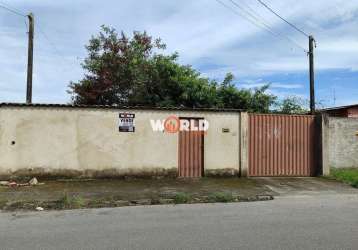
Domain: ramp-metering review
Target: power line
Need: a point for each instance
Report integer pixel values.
(254, 12)
(41, 31)
(64, 61)
(257, 22)
(17, 12)
(250, 14)
(257, 17)
(245, 17)
(12, 10)
(49, 41)
(283, 19)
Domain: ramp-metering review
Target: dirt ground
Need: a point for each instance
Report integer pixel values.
(308, 186)
(69, 194)
(108, 192)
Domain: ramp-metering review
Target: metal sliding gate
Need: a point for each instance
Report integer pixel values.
(281, 145)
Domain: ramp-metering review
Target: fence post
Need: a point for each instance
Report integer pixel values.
(244, 144)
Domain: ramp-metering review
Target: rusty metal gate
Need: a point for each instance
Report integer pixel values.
(191, 152)
(281, 145)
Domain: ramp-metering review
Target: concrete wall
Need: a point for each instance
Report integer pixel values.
(86, 142)
(342, 143)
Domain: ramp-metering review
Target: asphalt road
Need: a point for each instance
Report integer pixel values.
(297, 222)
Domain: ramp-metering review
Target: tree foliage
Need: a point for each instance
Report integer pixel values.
(292, 105)
(134, 71)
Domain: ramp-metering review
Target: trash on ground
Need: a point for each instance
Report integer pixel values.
(4, 183)
(13, 184)
(40, 209)
(32, 182)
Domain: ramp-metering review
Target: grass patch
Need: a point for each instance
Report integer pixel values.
(221, 197)
(347, 175)
(71, 202)
(181, 198)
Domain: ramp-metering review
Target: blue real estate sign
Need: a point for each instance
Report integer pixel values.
(126, 122)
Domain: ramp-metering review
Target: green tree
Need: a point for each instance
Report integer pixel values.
(130, 71)
(256, 100)
(133, 71)
(292, 105)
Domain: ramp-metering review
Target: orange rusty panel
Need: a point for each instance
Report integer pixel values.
(190, 153)
(281, 145)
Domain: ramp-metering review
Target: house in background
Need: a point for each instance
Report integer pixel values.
(350, 111)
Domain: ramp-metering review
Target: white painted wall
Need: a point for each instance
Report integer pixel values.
(57, 138)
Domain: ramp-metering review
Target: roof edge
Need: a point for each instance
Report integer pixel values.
(340, 107)
(71, 106)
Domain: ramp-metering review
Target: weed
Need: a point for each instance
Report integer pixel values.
(221, 197)
(71, 202)
(347, 175)
(181, 198)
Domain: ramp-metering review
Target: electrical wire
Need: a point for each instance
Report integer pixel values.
(11, 9)
(254, 12)
(53, 45)
(18, 12)
(257, 22)
(283, 19)
(14, 11)
(245, 17)
(259, 19)
(41, 31)
(250, 14)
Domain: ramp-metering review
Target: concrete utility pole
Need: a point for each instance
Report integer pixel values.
(311, 59)
(30, 59)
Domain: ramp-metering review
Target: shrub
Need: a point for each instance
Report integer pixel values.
(221, 197)
(347, 175)
(71, 202)
(181, 198)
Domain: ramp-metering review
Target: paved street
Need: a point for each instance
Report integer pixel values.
(328, 221)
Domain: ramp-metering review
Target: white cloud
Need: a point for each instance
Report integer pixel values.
(286, 86)
(251, 86)
(201, 31)
(340, 45)
(272, 85)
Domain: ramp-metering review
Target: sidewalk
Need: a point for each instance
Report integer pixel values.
(68, 194)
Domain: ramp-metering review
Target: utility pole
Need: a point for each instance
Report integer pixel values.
(311, 59)
(30, 59)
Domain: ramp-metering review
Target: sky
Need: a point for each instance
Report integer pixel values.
(213, 39)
